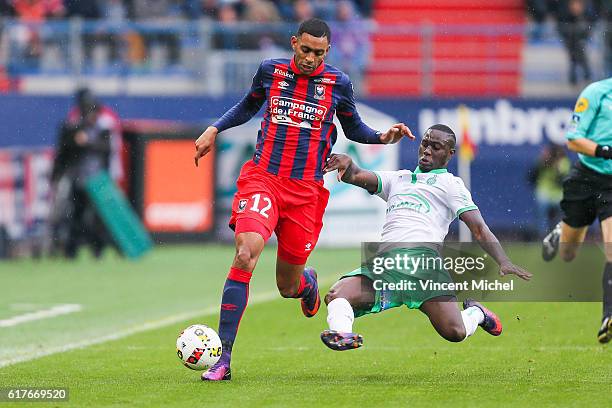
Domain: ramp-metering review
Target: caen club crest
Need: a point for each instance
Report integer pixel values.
(242, 205)
(319, 92)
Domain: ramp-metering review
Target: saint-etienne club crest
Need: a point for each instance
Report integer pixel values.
(242, 205)
(319, 92)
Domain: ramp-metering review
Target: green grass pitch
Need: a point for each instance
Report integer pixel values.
(119, 349)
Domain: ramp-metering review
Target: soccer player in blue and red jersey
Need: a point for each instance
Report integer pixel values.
(281, 189)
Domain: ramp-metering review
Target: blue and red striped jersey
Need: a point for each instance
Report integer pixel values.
(297, 131)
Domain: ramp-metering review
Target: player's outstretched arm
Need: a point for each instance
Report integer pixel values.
(359, 132)
(240, 113)
(350, 173)
(487, 241)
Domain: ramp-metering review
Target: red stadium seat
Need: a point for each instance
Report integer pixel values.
(452, 35)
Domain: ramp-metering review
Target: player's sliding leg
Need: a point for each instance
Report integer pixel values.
(605, 332)
(491, 323)
(457, 326)
(249, 246)
(296, 281)
(448, 321)
(348, 294)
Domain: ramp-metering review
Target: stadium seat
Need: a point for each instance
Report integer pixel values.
(483, 38)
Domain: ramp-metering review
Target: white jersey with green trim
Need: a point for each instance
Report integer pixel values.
(421, 206)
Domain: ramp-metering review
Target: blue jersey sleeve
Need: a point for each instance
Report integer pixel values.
(351, 122)
(248, 106)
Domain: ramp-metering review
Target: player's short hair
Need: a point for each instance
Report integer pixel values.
(445, 129)
(315, 27)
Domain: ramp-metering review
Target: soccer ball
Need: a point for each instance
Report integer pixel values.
(198, 347)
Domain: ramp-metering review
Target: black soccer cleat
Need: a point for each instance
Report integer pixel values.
(550, 243)
(605, 332)
(341, 341)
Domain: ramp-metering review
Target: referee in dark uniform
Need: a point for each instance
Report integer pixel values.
(587, 191)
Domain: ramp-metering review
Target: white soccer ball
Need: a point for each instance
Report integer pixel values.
(198, 347)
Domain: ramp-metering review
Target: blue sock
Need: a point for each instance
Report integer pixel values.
(233, 304)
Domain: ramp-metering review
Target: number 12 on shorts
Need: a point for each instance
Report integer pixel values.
(263, 211)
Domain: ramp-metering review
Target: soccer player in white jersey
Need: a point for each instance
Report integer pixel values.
(421, 204)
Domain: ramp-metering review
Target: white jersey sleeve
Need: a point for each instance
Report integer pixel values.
(459, 198)
(385, 179)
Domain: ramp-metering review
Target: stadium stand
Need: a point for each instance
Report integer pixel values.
(450, 47)
(389, 47)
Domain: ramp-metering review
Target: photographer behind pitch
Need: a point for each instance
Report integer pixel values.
(83, 150)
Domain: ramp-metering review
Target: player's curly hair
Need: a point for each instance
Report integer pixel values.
(315, 27)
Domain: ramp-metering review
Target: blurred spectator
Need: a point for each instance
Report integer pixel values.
(574, 28)
(228, 36)
(148, 9)
(104, 44)
(87, 9)
(108, 43)
(83, 151)
(113, 10)
(547, 178)
(285, 8)
(539, 10)
(154, 36)
(350, 45)
(605, 12)
(196, 9)
(303, 10)
(228, 14)
(36, 11)
(324, 9)
(27, 37)
(364, 7)
(260, 11)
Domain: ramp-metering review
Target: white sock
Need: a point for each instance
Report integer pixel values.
(472, 317)
(340, 315)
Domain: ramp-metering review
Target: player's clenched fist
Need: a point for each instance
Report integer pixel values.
(340, 162)
(395, 134)
(205, 143)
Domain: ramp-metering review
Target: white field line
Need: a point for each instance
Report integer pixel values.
(40, 314)
(151, 325)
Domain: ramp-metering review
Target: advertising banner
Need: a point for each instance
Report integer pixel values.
(508, 134)
(177, 196)
(25, 194)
